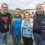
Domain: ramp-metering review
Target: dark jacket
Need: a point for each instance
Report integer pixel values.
(42, 26)
(37, 23)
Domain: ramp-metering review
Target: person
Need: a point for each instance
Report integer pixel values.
(39, 25)
(27, 29)
(5, 20)
(16, 27)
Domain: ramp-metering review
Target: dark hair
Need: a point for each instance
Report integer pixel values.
(18, 9)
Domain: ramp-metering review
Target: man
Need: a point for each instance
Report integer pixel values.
(16, 27)
(39, 25)
(5, 20)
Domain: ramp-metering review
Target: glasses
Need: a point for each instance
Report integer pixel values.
(4, 7)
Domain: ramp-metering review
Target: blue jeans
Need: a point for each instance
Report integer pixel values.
(37, 39)
(4, 38)
(16, 39)
(42, 41)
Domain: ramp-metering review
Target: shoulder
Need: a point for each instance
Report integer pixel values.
(31, 20)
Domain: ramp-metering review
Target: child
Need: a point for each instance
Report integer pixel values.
(27, 27)
(16, 27)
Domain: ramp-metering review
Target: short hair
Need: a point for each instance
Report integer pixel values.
(4, 4)
(25, 13)
(39, 5)
(18, 9)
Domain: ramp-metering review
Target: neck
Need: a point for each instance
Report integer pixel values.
(27, 20)
(17, 15)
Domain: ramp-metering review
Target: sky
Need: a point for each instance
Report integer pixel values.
(23, 4)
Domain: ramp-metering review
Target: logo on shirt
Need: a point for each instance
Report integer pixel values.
(5, 19)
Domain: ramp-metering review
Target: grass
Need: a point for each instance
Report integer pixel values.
(11, 11)
(10, 41)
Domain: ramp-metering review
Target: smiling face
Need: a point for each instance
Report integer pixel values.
(39, 9)
(4, 8)
(27, 16)
(17, 12)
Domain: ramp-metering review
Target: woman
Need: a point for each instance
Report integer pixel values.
(27, 31)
